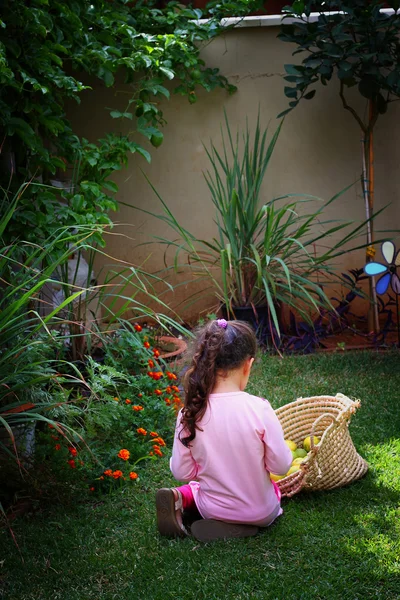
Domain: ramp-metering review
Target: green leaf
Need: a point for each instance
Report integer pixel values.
(290, 92)
(108, 78)
(167, 72)
(309, 95)
(116, 114)
(110, 185)
(293, 69)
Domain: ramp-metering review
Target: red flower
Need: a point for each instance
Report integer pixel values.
(138, 327)
(57, 447)
(124, 454)
(168, 389)
(73, 451)
(117, 474)
(158, 392)
(156, 353)
(108, 473)
(153, 434)
(133, 475)
(71, 463)
(146, 345)
(150, 374)
(141, 431)
(92, 489)
(127, 401)
(102, 477)
(151, 363)
(140, 395)
(175, 388)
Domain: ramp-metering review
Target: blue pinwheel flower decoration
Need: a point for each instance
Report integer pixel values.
(388, 272)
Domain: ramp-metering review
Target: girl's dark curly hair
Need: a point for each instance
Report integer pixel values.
(216, 349)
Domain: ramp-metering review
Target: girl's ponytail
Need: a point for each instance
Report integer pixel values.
(217, 348)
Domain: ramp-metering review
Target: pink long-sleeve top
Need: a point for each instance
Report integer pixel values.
(240, 442)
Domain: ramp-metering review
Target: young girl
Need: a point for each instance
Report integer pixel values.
(226, 443)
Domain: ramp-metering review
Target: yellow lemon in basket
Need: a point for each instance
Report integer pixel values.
(293, 469)
(276, 477)
(297, 461)
(307, 443)
(291, 445)
(300, 453)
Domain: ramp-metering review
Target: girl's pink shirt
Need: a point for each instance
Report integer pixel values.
(240, 442)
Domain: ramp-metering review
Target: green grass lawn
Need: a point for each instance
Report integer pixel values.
(343, 544)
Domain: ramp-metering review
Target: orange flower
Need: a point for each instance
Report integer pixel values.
(168, 390)
(175, 388)
(158, 452)
(158, 392)
(156, 353)
(57, 447)
(137, 407)
(167, 401)
(102, 477)
(151, 363)
(176, 400)
(73, 451)
(138, 327)
(127, 401)
(124, 454)
(117, 474)
(151, 453)
(108, 473)
(140, 395)
(171, 375)
(146, 345)
(133, 475)
(71, 463)
(153, 434)
(116, 399)
(159, 440)
(141, 431)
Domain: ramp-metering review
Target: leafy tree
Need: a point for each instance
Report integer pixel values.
(49, 50)
(355, 45)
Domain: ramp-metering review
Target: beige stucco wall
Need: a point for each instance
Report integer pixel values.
(318, 152)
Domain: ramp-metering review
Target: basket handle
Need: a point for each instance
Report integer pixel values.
(320, 418)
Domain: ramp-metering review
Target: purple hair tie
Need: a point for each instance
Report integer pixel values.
(222, 323)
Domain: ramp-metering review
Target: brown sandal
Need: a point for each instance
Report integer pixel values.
(167, 520)
(208, 530)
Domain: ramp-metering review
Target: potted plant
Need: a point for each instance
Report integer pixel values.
(265, 254)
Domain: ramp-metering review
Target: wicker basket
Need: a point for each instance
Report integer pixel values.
(332, 463)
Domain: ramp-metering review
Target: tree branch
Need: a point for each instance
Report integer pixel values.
(349, 108)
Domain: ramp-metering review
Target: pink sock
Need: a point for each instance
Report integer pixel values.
(187, 496)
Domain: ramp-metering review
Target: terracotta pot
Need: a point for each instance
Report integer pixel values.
(180, 345)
